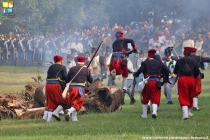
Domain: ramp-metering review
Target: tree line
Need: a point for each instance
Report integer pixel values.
(40, 16)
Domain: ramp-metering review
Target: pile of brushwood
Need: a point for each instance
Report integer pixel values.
(21, 105)
(31, 102)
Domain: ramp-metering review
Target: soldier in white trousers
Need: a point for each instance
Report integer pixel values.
(172, 77)
(129, 82)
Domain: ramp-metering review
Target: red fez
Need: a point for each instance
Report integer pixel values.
(187, 49)
(193, 50)
(81, 59)
(57, 58)
(151, 53)
(119, 34)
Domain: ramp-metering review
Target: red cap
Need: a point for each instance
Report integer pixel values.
(81, 59)
(151, 53)
(57, 58)
(120, 32)
(193, 50)
(187, 49)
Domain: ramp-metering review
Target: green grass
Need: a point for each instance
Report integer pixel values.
(13, 79)
(125, 123)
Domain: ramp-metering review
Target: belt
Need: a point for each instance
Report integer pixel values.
(154, 78)
(118, 54)
(80, 90)
(53, 82)
(77, 84)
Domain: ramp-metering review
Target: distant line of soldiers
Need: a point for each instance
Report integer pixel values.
(25, 50)
(20, 50)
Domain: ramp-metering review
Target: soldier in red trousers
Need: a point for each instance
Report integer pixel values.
(78, 75)
(187, 71)
(199, 60)
(118, 65)
(152, 68)
(55, 84)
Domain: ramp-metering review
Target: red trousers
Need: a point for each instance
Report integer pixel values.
(186, 90)
(119, 67)
(198, 87)
(151, 92)
(74, 98)
(54, 97)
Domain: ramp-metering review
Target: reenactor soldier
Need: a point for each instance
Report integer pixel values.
(172, 77)
(187, 70)
(199, 60)
(15, 42)
(98, 64)
(78, 75)
(153, 69)
(118, 64)
(6, 52)
(1, 48)
(29, 50)
(21, 50)
(47, 51)
(55, 84)
(36, 51)
(41, 50)
(13, 51)
(63, 48)
(54, 46)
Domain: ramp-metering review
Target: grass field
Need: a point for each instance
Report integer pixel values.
(125, 123)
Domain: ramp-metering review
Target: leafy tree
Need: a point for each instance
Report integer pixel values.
(41, 16)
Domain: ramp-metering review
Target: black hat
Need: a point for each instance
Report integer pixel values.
(93, 49)
(108, 49)
(167, 51)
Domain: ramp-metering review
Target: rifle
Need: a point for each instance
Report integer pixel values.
(176, 89)
(172, 48)
(94, 54)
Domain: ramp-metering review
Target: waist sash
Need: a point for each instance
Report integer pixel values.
(53, 82)
(118, 54)
(79, 90)
(154, 78)
(77, 84)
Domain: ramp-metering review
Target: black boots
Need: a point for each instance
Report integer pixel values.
(170, 103)
(122, 102)
(148, 109)
(132, 101)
